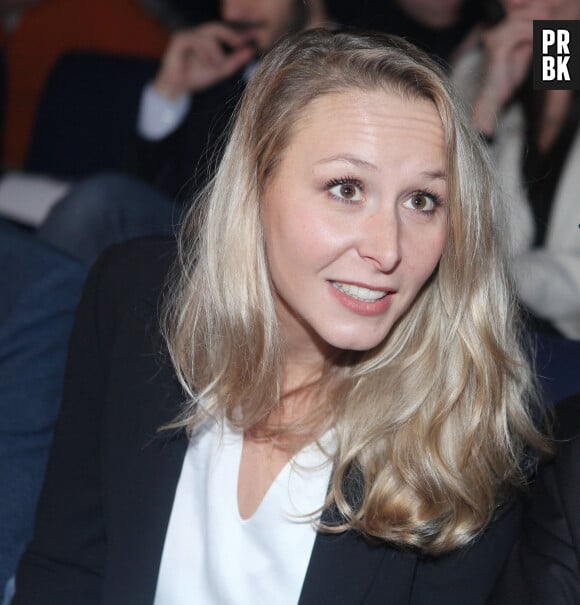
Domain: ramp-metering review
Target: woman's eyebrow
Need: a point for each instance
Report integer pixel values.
(434, 175)
(360, 163)
(349, 159)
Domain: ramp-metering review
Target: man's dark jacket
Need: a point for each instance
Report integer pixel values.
(179, 163)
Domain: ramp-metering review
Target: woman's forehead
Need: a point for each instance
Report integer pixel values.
(357, 117)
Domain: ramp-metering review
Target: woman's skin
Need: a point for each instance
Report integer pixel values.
(355, 220)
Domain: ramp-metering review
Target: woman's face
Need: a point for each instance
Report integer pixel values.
(355, 218)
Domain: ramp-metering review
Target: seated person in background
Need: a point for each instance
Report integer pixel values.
(43, 31)
(40, 291)
(334, 406)
(544, 566)
(183, 114)
(40, 38)
(535, 141)
(203, 72)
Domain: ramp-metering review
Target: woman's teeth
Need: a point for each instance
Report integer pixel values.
(360, 293)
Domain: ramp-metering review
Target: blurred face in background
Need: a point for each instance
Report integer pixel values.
(542, 9)
(435, 14)
(270, 18)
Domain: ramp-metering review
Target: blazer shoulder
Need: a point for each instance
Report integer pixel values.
(138, 269)
(567, 418)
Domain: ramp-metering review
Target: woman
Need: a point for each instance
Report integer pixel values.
(535, 141)
(343, 331)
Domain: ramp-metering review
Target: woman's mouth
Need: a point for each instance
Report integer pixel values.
(360, 292)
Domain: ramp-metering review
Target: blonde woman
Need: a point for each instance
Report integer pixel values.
(338, 410)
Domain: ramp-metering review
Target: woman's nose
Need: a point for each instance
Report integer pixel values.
(380, 240)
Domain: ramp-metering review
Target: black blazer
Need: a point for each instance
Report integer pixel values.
(180, 163)
(544, 566)
(112, 475)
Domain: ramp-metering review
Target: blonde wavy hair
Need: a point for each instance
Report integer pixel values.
(434, 424)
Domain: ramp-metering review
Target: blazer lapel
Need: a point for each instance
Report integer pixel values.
(157, 474)
(348, 569)
(144, 476)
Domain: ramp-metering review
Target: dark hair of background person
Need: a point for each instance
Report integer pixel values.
(381, 15)
(390, 17)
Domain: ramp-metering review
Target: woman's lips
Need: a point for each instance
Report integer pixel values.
(362, 299)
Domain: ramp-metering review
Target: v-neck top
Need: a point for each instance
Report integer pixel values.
(211, 555)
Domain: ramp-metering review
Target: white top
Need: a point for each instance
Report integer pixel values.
(213, 556)
(159, 116)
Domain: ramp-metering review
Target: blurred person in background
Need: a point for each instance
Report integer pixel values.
(41, 32)
(535, 141)
(37, 307)
(441, 27)
(183, 114)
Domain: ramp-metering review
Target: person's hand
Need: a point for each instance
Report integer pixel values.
(196, 58)
(508, 54)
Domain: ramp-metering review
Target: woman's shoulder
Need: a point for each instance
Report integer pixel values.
(125, 288)
(567, 418)
(144, 260)
(543, 566)
(135, 270)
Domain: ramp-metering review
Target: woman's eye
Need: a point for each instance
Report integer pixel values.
(350, 192)
(422, 202)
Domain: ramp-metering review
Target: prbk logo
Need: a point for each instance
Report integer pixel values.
(557, 55)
